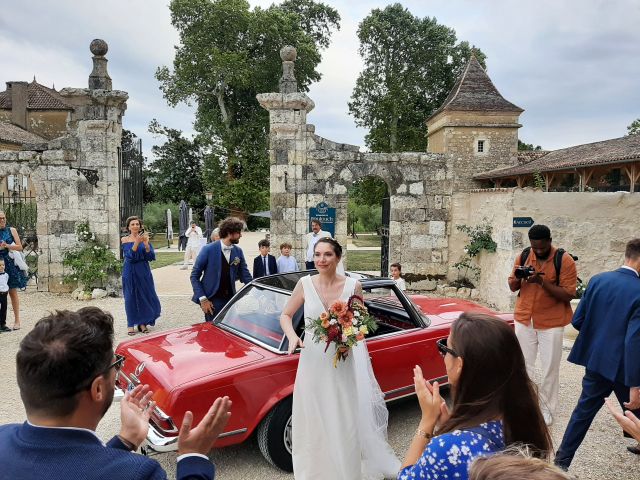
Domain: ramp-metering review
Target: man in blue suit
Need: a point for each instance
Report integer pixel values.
(608, 346)
(66, 372)
(217, 268)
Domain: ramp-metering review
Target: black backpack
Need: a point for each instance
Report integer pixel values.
(557, 261)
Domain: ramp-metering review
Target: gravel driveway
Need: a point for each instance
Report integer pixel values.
(602, 456)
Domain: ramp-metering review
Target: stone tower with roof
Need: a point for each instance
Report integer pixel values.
(476, 127)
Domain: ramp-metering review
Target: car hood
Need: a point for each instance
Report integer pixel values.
(176, 357)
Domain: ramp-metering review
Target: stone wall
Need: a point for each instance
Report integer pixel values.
(595, 226)
(307, 169)
(47, 124)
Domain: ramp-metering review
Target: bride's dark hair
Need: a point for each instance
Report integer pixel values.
(335, 246)
(494, 383)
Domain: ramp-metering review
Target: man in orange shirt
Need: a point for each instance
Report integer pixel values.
(543, 309)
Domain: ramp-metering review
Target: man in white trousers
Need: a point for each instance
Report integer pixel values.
(546, 279)
(194, 243)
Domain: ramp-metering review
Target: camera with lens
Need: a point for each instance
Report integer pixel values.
(523, 272)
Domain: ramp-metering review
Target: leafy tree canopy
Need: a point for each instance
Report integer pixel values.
(174, 174)
(522, 146)
(228, 53)
(410, 66)
(634, 128)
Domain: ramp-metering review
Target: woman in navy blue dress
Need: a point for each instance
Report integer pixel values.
(10, 242)
(494, 403)
(141, 301)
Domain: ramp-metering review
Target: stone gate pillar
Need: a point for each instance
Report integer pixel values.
(83, 183)
(290, 195)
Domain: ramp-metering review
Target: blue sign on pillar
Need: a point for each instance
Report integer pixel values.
(522, 222)
(325, 215)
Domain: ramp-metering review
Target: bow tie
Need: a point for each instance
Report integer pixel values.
(227, 249)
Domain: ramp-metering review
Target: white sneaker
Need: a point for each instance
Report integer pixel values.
(548, 418)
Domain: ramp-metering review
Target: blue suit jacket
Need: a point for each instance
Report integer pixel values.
(34, 453)
(608, 319)
(258, 266)
(205, 276)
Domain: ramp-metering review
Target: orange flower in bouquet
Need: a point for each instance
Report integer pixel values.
(344, 325)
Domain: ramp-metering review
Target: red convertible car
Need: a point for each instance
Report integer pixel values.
(242, 354)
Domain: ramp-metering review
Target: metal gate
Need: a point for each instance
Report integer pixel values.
(130, 162)
(19, 203)
(384, 242)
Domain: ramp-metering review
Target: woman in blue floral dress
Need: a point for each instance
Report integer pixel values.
(10, 242)
(494, 403)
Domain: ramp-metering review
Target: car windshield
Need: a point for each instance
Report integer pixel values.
(256, 313)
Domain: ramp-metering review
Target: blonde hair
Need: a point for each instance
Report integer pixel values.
(515, 463)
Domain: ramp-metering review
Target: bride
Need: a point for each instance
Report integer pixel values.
(339, 423)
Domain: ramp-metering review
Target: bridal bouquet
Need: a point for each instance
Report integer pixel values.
(344, 325)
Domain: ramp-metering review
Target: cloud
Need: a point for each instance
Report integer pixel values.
(572, 67)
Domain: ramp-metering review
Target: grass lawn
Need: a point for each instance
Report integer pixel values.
(164, 259)
(363, 261)
(367, 241)
(159, 241)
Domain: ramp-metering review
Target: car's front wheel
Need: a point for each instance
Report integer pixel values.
(274, 436)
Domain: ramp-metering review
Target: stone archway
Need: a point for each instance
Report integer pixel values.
(307, 169)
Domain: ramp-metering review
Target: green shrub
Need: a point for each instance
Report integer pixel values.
(154, 216)
(91, 263)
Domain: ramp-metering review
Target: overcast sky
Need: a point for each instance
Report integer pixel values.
(574, 66)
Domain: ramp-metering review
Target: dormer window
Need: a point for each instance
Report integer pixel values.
(480, 146)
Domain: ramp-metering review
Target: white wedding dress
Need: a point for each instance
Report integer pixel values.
(339, 416)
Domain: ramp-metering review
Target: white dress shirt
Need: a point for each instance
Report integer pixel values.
(312, 239)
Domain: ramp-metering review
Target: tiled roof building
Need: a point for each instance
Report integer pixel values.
(39, 97)
(33, 108)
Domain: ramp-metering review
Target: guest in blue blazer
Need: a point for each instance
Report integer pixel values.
(265, 263)
(66, 372)
(608, 346)
(218, 266)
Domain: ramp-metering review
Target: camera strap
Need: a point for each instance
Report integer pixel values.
(557, 260)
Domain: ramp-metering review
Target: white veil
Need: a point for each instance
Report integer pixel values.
(340, 269)
(378, 458)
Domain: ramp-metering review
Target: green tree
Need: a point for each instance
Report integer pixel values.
(228, 53)
(522, 146)
(410, 66)
(368, 191)
(634, 128)
(174, 174)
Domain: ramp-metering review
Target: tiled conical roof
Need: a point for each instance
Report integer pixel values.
(474, 91)
(39, 98)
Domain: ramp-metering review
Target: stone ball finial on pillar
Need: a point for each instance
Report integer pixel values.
(99, 47)
(288, 53)
(288, 83)
(99, 79)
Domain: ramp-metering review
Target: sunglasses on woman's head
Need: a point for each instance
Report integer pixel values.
(443, 349)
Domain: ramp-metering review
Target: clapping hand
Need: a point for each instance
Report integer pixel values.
(200, 439)
(634, 399)
(629, 422)
(434, 409)
(135, 408)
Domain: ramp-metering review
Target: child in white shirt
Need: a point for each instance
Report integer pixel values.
(396, 268)
(4, 290)
(286, 263)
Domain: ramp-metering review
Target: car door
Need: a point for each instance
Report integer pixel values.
(404, 342)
